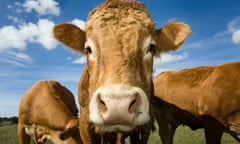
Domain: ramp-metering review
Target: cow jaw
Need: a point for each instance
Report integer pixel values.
(119, 107)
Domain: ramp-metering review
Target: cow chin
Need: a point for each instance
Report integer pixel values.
(119, 107)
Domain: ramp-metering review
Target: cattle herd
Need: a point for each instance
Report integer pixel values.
(117, 95)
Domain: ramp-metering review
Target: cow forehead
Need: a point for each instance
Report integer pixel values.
(128, 20)
(119, 17)
(108, 11)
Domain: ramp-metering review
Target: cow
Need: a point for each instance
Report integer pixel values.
(48, 111)
(120, 41)
(202, 97)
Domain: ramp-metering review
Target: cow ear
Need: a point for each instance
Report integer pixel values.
(171, 36)
(70, 35)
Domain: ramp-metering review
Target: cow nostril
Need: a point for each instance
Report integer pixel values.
(134, 104)
(102, 105)
(102, 102)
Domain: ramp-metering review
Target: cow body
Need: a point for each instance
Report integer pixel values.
(120, 41)
(203, 97)
(46, 112)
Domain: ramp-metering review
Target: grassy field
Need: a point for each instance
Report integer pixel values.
(184, 135)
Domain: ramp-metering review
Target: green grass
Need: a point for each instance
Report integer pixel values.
(8, 135)
(184, 135)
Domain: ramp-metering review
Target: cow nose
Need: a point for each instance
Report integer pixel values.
(118, 110)
(117, 106)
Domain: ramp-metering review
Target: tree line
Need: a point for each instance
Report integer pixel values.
(8, 120)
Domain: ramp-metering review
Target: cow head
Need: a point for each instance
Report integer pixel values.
(120, 42)
(71, 133)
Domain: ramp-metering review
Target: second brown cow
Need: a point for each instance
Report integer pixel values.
(46, 112)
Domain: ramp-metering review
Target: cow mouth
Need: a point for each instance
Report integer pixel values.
(118, 125)
(117, 128)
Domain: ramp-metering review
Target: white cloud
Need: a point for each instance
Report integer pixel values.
(13, 62)
(230, 34)
(234, 28)
(44, 36)
(19, 37)
(14, 19)
(234, 25)
(81, 60)
(218, 38)
(15, 58)
(161, 64)
(159, 70)
(16, 7)
(79, 23)
(21, 56)
(42, 7)
(236, 37)
(167, 58)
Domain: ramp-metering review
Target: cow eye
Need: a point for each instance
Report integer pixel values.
(151, 49)
(89, 50)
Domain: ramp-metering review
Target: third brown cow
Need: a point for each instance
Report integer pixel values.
(203, 97)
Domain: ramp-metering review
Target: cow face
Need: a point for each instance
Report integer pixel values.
(120, 42)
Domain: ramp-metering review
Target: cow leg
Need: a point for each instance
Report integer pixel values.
(166, 132)
(213, 135)
(23, 138)
(121, 138)
(213, 130)
(144, 137)
(135, 138)
(110, 138)
(140, 136)
(150, 128)
(166, 121)
(145, 131)
(167, 128)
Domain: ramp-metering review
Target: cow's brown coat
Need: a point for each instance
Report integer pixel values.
(120, 42)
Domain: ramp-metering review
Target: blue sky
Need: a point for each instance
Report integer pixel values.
(28, 53)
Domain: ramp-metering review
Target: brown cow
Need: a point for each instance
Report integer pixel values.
(203, 97)
(120, 42)
(46, 112)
